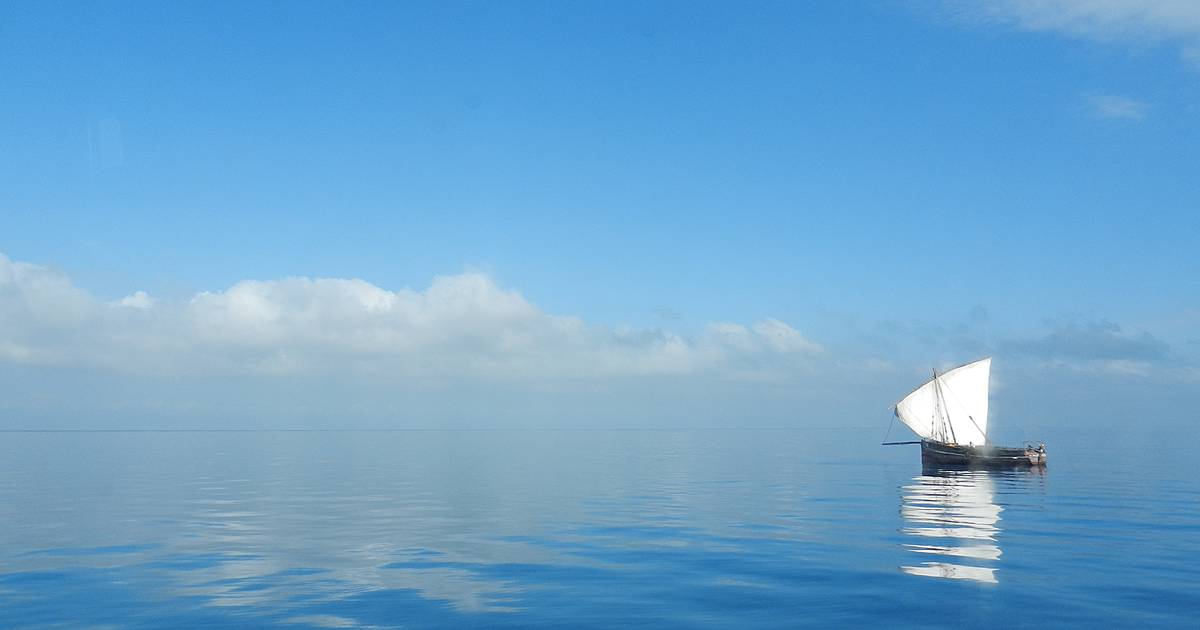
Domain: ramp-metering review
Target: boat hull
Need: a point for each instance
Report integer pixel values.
(954, 455)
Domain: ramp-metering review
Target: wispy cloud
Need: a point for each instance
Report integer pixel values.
(1093, 346)
(1191, 55)
(1134, 21)
(1112, 106)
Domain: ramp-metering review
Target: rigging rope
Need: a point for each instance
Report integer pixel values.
(890, 425)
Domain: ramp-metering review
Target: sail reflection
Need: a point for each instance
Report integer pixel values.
(953, 514)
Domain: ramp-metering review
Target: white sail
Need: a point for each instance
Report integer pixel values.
(953, 407)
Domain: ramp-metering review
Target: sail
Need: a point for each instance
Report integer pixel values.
(952, 407)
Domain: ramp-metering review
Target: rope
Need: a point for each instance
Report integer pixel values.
(890, 425)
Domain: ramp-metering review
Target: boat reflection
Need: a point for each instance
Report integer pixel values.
(953, 514)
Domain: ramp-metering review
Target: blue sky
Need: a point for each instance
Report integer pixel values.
(902, 183)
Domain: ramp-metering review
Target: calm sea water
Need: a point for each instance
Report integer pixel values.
(587, 528)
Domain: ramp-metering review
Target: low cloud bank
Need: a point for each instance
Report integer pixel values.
(466, 351)
(462, 324)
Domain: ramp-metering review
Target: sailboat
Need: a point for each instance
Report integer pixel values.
(950, 414)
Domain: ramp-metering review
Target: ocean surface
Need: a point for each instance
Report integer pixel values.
(688, 528)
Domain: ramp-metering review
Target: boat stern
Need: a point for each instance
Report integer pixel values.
(1036, 454)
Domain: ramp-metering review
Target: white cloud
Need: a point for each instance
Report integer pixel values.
(138, 299)
(41, 312)
(1117, 107)
(780, 337)
(1133, 21)
(461, 325)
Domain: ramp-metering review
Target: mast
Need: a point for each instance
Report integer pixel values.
(939, 426)
(943, 409)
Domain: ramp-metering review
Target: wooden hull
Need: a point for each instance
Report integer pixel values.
(938, 454)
